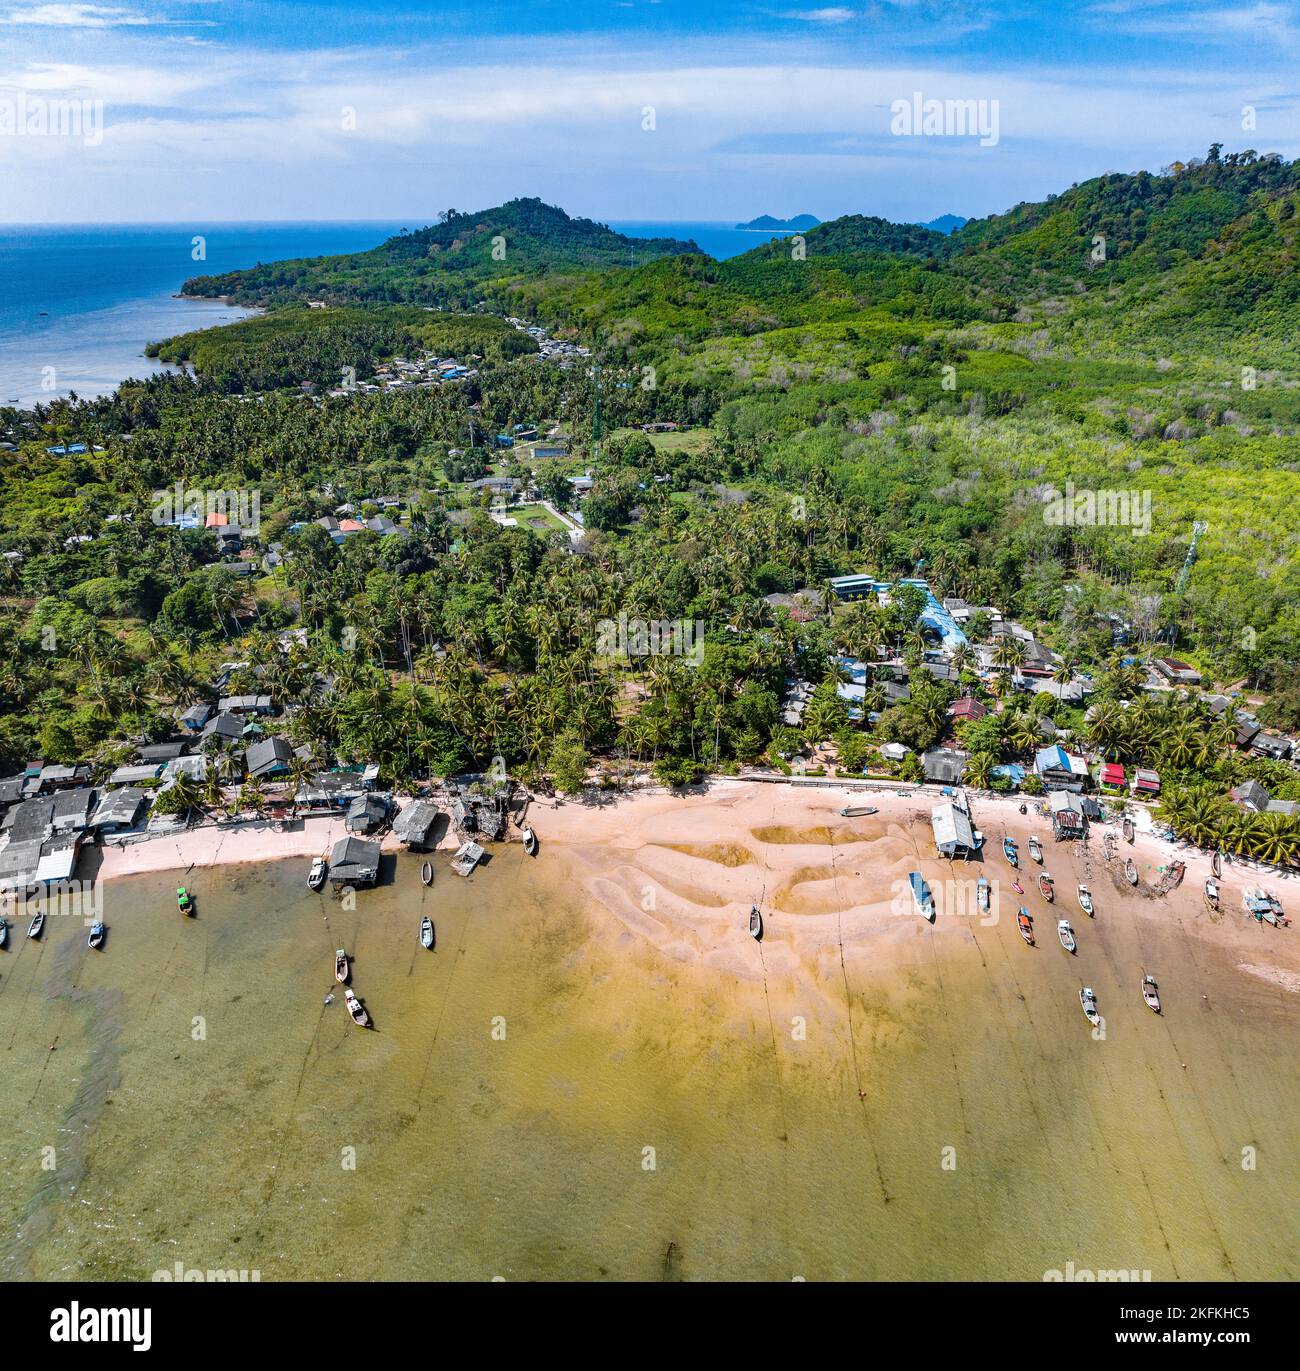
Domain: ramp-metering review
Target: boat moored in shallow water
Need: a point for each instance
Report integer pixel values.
(1026, 925)
(426, 873)
(1149, 993)
(1045, 887)
(37, 925)
(982, 895)
(921, 896)
(357, 1010)
(341, 970)
(1085, 899)
(1009, 851)
(1036, 850)
(1089, 1002)
(1066, 934)
(426, 933)
(530, 840)
(96, 936)
(316, 876)
(183, 901)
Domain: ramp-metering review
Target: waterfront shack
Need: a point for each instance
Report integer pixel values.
(354, 861)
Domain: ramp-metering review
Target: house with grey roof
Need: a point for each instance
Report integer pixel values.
(354, 861)
(1253, 796)
(119, 810)
(269, 757)
(943, 765)
(414, 826)
(71, 812)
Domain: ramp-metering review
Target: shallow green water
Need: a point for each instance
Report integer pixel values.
(992, 1138)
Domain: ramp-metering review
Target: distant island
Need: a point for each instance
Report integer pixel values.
(947, 223)
(765, 222)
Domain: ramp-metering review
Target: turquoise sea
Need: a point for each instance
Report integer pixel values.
(78, 303)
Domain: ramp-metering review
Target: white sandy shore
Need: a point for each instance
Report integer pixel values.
(679, 871)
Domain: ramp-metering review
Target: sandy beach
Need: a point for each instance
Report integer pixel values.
(680, 872)
(200, 1078)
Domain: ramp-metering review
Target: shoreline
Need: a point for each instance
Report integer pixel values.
(678, 871)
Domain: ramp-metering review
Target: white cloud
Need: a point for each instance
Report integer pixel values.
(75, 17)
(834, 14)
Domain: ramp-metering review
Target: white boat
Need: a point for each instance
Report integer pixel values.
(1089, 1002)
(1130, 871)
(921, 896)
(530, 840)
(1149, 993)
(1036, 850)
(982, 895)
(316, 876)
(1211, 892)
(755, 923)
(426, 933)
(341, 971)
(426, 873)
(357, 1010)
(4, 933)
(1085, 900)
(37, 925)
(96, 937)
(1066, 934)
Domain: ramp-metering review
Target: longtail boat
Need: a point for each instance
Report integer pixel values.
(1026, 925)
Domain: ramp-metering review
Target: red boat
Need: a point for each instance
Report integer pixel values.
(1026, 926)
(1045, 885)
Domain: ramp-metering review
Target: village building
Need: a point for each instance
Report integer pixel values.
(119, 810)
(1059, 770)
(415, 824)
(269, 757)
(354, 861)
(943, 765)
(1252, 796)
(1177, 672)
(954, 835)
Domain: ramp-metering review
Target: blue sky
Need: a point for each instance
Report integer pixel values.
(392, 111)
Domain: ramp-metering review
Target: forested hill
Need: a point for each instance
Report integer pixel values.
(447, 263)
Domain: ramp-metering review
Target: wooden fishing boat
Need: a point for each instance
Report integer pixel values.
(1149, 993)
(1089, 1002)
(357, 1010)
(1216, 863)
(96, 936)
(341, 969)
(755, 923)
(1085, 900)
(1129, 831)
(982, 895)
(1212, 892)
(1066, 935)
(1009, 851)
(316, 876)
(1045, 887)
(1036, 850)
(1130, 871)
(1026, 925)
(37, 925)
(183, 901)
(530, 841)
(921, 896)
(858, 811)
(426, 873)
(426, 933)
(1176, 873)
